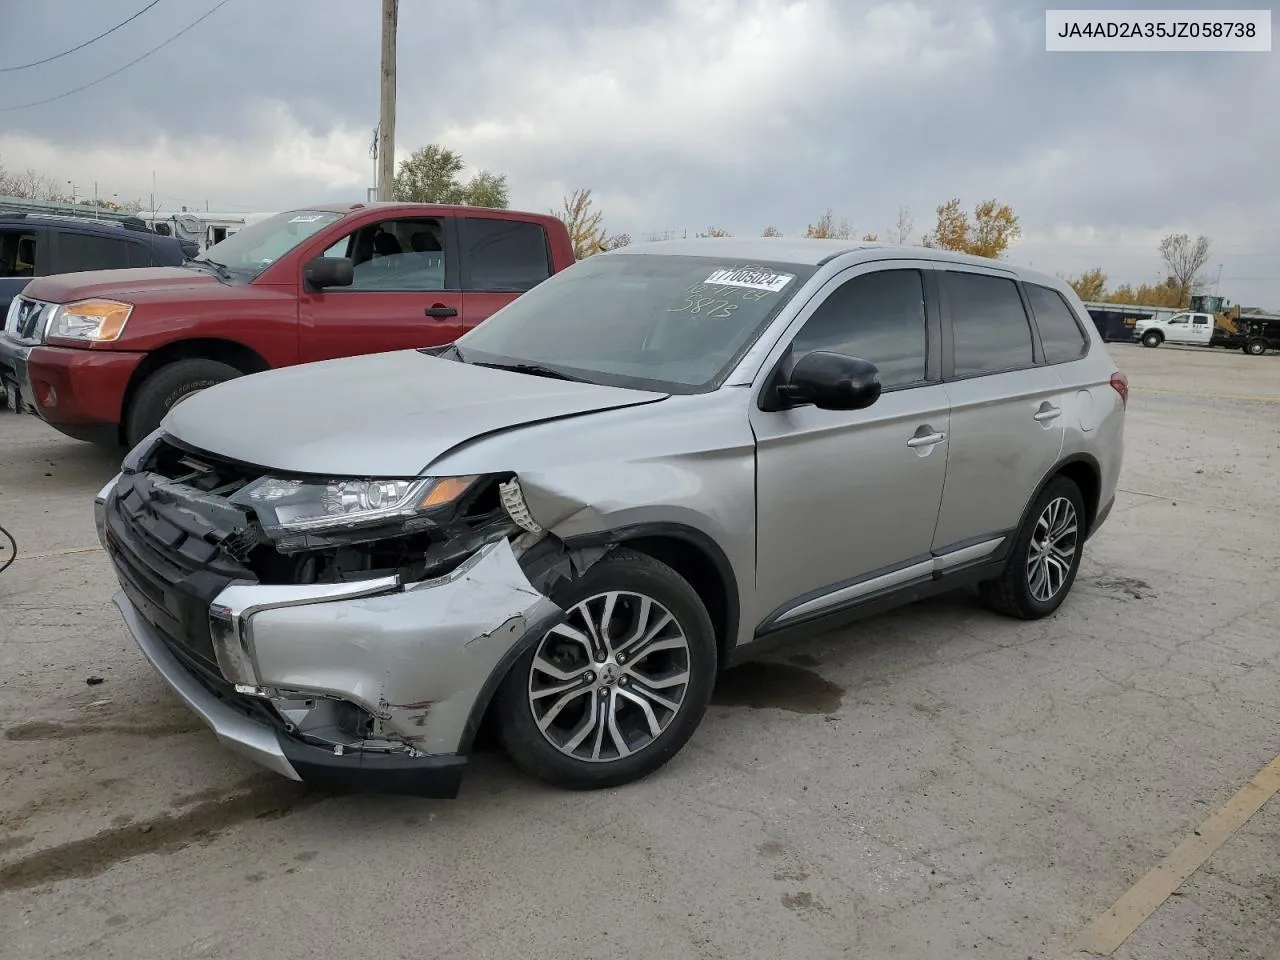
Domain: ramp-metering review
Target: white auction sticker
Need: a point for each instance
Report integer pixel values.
(753, 278)
(1157, 31)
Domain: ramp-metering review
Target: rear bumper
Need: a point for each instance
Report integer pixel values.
(79, 392)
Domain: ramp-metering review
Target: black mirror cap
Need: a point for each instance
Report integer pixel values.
(329, 272)
(833, 381)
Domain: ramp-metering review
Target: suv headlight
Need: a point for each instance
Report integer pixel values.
(89, 321)
(287, 507)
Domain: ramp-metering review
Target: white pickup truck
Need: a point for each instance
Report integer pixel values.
(1194, 328)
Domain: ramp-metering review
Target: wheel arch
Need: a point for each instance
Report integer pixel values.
(231, 352)
(1085, 472)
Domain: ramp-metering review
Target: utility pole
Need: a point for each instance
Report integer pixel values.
(387, 109)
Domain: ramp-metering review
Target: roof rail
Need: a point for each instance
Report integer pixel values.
(129, 223)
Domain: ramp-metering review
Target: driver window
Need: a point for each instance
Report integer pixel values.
(1180, 318)
(878, 317)
(405, 255)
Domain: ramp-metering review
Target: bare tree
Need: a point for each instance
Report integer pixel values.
(714, 232)
(826, 228)
(902, 230)
(771, 232)
(1184, 259)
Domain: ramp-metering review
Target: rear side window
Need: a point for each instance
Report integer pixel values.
(80, 251)
(506, 256)
(1060, 334)
(988, 323)
(878, 317)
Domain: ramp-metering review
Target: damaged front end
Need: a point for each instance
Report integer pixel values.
(344, 632)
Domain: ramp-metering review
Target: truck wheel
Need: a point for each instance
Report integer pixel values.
(614, 691)
(1256, 347)
(1044, 558)
(1152, 339)
(171, 383)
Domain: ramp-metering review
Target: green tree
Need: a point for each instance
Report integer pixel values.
(432, 174)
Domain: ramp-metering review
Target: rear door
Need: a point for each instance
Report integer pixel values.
(1006, 407)
(407, 292)
(501, 259)
(1201, 329)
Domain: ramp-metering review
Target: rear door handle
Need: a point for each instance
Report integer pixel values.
(928, 440)
(1045, 414)
(440, 311)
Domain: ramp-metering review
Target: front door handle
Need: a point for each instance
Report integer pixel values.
(440, 310)
(927, 440)
(1047, 413)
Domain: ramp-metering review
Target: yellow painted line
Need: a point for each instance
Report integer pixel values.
(1104, 936)
(55, 553)
(1267, 398)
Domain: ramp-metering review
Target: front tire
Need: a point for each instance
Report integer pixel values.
(1045, 556)
(1152, 339)
(616, 689)
(166, 387)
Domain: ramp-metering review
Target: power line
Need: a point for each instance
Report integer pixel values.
(118, 70)
(56, 56)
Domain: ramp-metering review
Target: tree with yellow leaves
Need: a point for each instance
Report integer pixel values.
(1090, 285)
(586, 231)
(826, 228)
(992, 228)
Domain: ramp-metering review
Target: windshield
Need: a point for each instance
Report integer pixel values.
(671, 323)
(255, 248)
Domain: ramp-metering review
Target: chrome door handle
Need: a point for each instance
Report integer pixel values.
(928, 440)
(1048, 413)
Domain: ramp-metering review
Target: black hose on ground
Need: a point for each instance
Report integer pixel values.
(8, 549)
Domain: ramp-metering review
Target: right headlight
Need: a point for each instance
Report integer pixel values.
(286, 507)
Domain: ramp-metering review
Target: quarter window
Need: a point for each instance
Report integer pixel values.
(508, 256)
(877, 317)
(988, 323)
(1060, 334)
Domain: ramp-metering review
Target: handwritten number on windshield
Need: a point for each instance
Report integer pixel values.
(708, 307)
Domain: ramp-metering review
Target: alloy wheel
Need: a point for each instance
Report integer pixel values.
(609, 680)
(1054, 542)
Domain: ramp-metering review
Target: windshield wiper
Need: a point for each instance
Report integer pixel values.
(534, 369)
(219, 268)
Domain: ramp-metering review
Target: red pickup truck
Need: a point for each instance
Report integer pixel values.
(103, 355)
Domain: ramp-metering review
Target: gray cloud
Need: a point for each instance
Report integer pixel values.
(680, 114)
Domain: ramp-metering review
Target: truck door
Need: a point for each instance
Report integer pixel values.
(501, 259)
(406, 292)
(1178, 328)
(1201, 329)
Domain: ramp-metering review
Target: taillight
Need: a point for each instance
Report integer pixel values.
(1120, 383)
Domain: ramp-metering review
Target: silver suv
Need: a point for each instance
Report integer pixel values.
(643, 471)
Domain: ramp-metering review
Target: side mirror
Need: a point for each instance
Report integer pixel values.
(329, 272)
(832, 381)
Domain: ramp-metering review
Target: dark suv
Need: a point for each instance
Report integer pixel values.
(40, 245)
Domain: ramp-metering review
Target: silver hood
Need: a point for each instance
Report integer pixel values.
(387, 414)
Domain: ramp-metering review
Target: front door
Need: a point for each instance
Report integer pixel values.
(1178, 329)
(405, 294)
(847, 501)
(1007, 409)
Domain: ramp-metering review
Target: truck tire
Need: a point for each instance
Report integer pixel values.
(1152, 339)
(1256, 347)
(165, 387)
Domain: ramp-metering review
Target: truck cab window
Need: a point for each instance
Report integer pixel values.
(17, 253)
(405, 255)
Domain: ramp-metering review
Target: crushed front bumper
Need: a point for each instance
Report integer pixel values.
(415, 663)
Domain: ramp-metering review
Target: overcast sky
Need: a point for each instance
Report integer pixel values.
(679, 114)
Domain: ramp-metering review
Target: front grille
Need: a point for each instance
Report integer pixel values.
(26, 319)
(169, 562)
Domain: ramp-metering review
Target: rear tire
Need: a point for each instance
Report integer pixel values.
(1152, 339)
(166, 387)
(1256, 347)
(584, 717)
(1045, 556)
